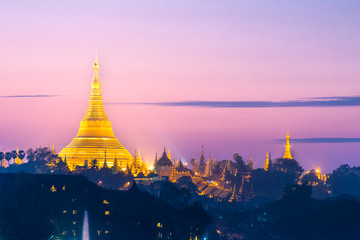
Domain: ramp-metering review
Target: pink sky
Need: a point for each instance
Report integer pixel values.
(166, 51)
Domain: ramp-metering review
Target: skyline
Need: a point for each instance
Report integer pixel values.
(232, 52)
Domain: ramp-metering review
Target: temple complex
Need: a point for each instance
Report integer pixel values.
(95, 138)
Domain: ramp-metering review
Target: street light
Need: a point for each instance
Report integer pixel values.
(219, 232)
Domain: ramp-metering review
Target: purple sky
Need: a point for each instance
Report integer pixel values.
(176, 51)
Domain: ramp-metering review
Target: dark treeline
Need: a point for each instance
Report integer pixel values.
(280, 202)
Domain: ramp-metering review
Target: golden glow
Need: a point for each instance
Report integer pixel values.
(53, 189)
(266, 164)
(95, 135)
(17, 160)
(287, 147)
(107, 213)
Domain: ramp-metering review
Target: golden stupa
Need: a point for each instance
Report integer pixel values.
(287, 147)
(95, 138)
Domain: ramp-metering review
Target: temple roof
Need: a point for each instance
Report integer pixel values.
(164, 160)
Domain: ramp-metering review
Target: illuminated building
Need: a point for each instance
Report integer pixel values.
(287, 148)
(95, 135)
(164, 167)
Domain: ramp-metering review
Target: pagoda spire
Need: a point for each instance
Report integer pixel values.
(287, 147)
(105, 162)
(169, 154)
(251, 163)
(156, 159)
(53, 148)
(266, 164)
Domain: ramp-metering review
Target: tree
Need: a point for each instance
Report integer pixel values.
(173, 195)
(345, 180)
(186, 182)
(94, 164)
(296, 192)
(270, 184)
(61, 167)
(39, 154)
(192, 221)
(240, 165)
(287, 165)
(310, 177)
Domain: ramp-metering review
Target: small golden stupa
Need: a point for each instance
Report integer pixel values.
(287, 148)
(95, 138)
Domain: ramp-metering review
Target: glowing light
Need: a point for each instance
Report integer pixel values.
(287, 147)
(53, 189)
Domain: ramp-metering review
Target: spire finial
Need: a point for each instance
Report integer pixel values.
(96, 64)
(169, 155)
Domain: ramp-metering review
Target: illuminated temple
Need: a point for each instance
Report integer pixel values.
(95, 138)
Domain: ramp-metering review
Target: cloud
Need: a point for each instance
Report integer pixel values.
(321, 140)
(29, 96)
(337, 101)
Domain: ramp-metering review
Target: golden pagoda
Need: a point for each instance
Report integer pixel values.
(95, 135)
(287, 148)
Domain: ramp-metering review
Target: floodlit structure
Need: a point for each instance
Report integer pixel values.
(95, 138)
(164, 167)
(266, 163)
(287, 148)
